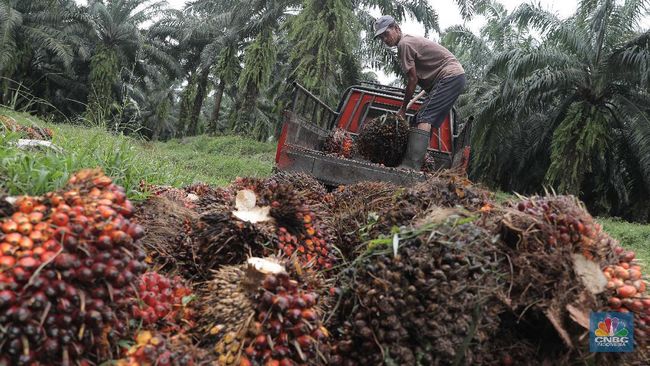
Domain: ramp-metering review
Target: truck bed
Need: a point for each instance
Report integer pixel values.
(298, 151)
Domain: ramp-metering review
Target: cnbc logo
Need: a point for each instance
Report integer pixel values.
(611, 332)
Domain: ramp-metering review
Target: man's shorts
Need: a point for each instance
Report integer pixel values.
(440, 99)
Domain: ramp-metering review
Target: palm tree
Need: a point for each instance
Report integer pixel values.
(119, 41)
(32, 38)
(570, 110)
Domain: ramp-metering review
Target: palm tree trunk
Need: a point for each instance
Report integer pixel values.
(198, 101)
(218, 95)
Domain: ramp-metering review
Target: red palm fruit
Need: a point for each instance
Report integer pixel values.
(104, 242)
(25, 228)
(26, 243)
(7, 298)
(310, 299)
(119, 237)
(309, 315)
(126, 209)
(9, 226)
(272, 362)
(6, 249)
(19, 218)
(280, 302)
(135, 231)
(36, 236)
(41, 226)
(294, 314)
(245, 362)
(261, 342)
(28, 263)
(40, 208)
(35, 217)
(7, 262)
(13, 239)
(60, 219)
(38, 251)
(305, 341)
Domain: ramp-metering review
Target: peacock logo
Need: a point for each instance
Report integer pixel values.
(611, 332)
(611, 327)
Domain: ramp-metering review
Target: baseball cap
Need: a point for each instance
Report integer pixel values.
(382, 24)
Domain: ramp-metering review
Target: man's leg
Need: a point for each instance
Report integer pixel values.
(431, 114)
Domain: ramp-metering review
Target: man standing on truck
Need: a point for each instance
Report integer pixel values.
(436, 71)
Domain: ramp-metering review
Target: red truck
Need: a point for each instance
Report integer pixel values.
(309, 121)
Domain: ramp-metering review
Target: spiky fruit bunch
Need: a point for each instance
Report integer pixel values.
(170, 229)
(416, 307)
(226, 306)
(339, 142)
(224, 239)
(164, 300)
(354, 207)
(563, 221)
(287, 330)
(627, 292)
(304, 185)
(65, 273)
(383, 140)
(258, 315)
(154, 349)
(298, 231)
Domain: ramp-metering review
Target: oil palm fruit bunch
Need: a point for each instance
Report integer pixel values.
(339, 142)
(383, 140)
(164, 302)
(66, 268)
(298, 231)
(259, 315)
(627, 292)
(312, 191)
(170, 228)
(418, 302)
(225, 239)
(563, 221)
(448, 190)
(151, 348)
(355, 207)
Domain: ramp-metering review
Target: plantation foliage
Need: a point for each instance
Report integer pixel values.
(558, 103)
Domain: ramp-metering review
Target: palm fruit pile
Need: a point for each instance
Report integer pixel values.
(67, 265)
(154, 349)
(169, 233)
(627, 292)
(556, 255)
(33, 132)
(383, 140)
(339, 142)
(429, 300)
(259, 315)
(164, 302)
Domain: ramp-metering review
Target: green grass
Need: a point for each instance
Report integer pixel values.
(213, 160)
(631, 236)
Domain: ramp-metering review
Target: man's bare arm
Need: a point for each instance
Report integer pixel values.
(412, 81)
